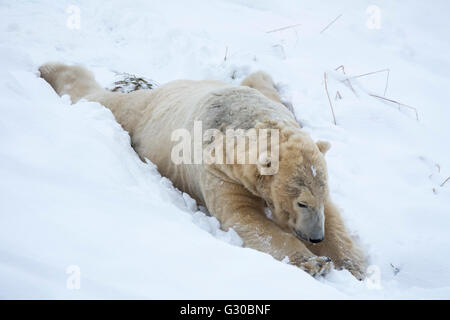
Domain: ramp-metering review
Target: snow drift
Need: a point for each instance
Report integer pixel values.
(75, 194)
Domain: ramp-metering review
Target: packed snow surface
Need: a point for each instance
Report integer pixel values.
(76, 202)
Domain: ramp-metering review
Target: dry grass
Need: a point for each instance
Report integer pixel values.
(349, 85)
(375, 72)
(226, 53)
(328, 25)
(442, 184)
(341, 67)
(282, 50)
(328, 95)
(396, 102)
(347, 82)
(395, 269)
(284, 28)
(131, 82)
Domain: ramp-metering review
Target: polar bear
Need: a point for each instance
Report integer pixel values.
(304, 227)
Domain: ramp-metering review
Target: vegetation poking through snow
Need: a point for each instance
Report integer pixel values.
(129, 82)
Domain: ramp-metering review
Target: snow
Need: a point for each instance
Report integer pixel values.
(313, 170)
(75, 196)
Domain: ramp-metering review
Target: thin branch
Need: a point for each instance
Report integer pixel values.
(328, 25)
(282, 50)
(284, 28)
(349, 84)
(398, 103)
(346, 81)
(442, 184)
(340, 67)
(395, 269)
(226, 53)
(387, 82)
(374, 72)
(328, 95)
(369, 73)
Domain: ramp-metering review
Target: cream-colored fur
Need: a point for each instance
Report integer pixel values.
(263, 82)
(236, 194)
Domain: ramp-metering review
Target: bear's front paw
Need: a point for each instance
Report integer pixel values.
(315, 266)
(355, 268)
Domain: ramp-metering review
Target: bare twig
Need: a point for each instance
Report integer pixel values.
(328, 25)
(346, 81)
(282, 49)
(387, 82)
(328, 95)
(374, 72)
(369, 73)
(338, 95)
(284, 28)
(340, 67)
(349, 84)
(395, 269)
(226, 53)
(396, 102)
(442, 184)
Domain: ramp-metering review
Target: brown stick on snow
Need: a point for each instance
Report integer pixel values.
(328, 25)
(226, 53)
(442, 184)
(349, 84)
(398, 103)
(374, 72)
(341, 67)
(284, 28)
(346, 81)
(328, 95)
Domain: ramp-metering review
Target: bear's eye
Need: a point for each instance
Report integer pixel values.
(301, 205)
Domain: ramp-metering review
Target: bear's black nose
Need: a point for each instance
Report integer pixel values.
(315, 240)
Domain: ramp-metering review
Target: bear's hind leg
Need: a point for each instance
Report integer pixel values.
(75, 81)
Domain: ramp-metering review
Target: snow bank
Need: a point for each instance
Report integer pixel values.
(74, 193)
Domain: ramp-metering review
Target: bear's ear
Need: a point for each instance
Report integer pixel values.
(323, 146)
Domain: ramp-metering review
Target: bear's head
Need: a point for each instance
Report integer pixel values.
(297, 192)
